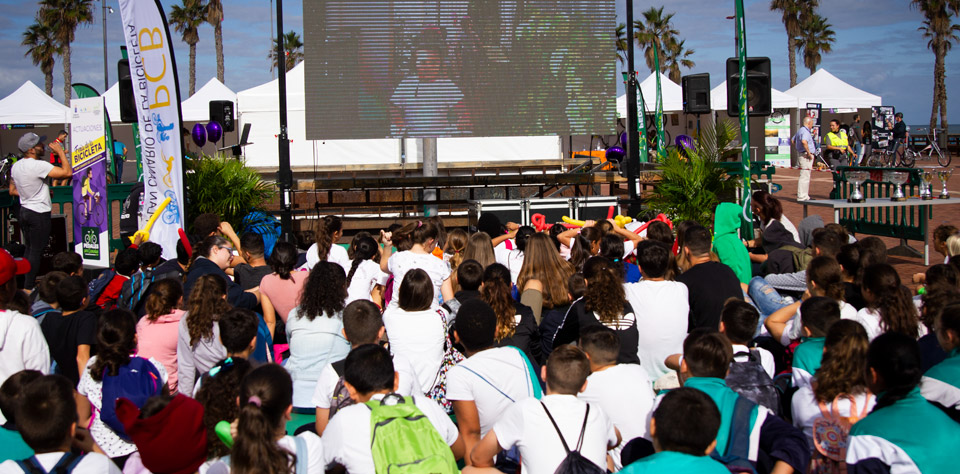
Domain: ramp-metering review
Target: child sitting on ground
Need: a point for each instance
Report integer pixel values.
(12, 445)
(238, 334)
(71, 333)
(819, 313)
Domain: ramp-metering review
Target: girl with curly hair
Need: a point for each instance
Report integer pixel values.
(314, 329)
(516, 325)
(198, 337)
(116, 341)
(218, 394)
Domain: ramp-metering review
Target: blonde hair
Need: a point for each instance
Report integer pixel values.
(953, 245)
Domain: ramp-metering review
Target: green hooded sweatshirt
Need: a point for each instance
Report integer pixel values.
(727, 243)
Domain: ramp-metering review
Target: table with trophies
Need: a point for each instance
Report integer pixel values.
(898, 198)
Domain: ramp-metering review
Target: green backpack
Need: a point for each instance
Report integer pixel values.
(403, 439)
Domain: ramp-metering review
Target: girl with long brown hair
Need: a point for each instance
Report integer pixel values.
(157, 331)
(516, 325)
(889, 306)
(480, 248)
(543, 278)
(325, 249)
(198, 336)
(824, 278)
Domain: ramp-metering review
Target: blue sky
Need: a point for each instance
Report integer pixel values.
(878, 47)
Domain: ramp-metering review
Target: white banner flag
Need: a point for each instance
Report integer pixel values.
(157, 98)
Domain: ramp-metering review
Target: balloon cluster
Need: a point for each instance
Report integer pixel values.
(212, 131)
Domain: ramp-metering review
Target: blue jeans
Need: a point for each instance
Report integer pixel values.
(766, 299)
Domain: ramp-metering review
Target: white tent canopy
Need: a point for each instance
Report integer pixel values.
(111, 100)
(671, 92)
(197, 107)
(780, 100)
(259, 106)
(30, 105)
(832, 93)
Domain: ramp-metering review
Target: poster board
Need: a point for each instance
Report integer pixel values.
(89, 160)
(882, 126)
(776, 138)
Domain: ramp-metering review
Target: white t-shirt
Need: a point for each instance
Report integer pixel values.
(504, 368)
(106, 438)
(625, 395)
(401, 262)
(22, 346)
(794, 327)
(409, 384)
(315, 459)
(661, 309)
(419, 336)
(806, 410)
(92, 463)
(367, 276)
(526, 425)
(870, 320)
(766, 358)
(30, 176)
(346, 440)
(337, 255)
(512, 259)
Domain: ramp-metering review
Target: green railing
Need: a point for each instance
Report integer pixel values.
(758, 169)
(62, 201)
(908, 223)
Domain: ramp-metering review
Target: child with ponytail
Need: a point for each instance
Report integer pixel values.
(325, 249)
(423, 236)
(364, 277)
(157, 332)
(116, 341)
(903, 433)
(516, 325)
(889, 306)
(261, 446)
(824, 278)
(941, 384)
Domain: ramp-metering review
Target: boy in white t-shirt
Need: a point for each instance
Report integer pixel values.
(362, 324)
(48, 424)
(369, 375)
(621, 390)
(490, 380)
(542, 428)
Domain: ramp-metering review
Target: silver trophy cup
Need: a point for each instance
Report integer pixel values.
(857, 178)
(898, 178)
(944, 176)
(926, 185)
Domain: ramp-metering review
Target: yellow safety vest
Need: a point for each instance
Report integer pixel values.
(838, 139)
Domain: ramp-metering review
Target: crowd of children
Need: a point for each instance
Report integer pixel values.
(593, 349)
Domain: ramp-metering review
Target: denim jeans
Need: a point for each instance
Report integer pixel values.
(766, 299)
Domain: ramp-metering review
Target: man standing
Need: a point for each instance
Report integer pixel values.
(837, 144)
(29, 182)
(856, 137)
(899, 133)
(806, 148)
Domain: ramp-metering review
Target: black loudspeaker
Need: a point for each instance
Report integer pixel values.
(759, 102)
(128, 108)
(696, 93)
(221, 111)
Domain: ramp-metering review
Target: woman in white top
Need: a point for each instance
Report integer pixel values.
(513, 259)
(768, 209)
(824, 278)
(839, 389)
(329, 232)
(889, 305)
(420, 238)
(314, 330)
(364, 277)
(416, 330)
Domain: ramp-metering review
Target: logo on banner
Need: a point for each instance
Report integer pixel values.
(91, 243)
(83, 155)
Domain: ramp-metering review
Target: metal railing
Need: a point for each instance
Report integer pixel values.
(907, 223)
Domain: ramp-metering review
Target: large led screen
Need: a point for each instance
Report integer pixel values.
(459, 68)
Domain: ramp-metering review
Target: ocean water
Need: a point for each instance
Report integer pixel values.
(954, 128)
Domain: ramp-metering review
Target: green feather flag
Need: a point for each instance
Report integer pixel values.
(747, 212)
(661, 145)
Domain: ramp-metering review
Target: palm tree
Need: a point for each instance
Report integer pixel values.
(42, 48)
(941, 31)
(63, 18)
(655, 31)
(622, 43)
(817, 38)
(794, 14)
(186, 19)
(215, 18)
(675, 57)
(292, 50)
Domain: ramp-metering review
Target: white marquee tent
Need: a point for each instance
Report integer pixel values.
(832, 93)
(780, 100)
(31, 105)
(670, 91)
(259, 106)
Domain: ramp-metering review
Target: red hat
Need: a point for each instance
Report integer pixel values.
(11, 267)
(173, 441)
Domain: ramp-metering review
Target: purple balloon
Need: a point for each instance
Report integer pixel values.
(199, 135)
(615, 153)
(624, 139)
(214, 131)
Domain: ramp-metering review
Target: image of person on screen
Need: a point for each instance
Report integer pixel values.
(427, 103)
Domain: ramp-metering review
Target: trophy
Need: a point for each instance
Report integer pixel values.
(944, 176)
(857, 178)
(898, 178)
(926, 185)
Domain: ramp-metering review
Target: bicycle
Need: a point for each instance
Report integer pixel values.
(887, 158)
(933, 146)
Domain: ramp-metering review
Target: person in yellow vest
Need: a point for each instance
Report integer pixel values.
(836, 145)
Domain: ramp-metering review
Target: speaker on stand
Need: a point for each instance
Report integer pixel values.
(696, 95)
(221, 111)
(128, 108)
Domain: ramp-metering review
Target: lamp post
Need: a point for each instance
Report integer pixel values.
(106, 77)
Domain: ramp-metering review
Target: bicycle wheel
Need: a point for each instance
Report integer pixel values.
(908, 158)
(944, 159)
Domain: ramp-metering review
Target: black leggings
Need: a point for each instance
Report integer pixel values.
(35, 231)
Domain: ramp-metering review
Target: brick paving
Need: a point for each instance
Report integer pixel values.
(821, 184)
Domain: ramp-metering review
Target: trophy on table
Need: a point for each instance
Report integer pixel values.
(944, 176)
(857, 178)
(898, 178)
(926, 185)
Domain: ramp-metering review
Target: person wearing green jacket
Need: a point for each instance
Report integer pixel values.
(727, 243)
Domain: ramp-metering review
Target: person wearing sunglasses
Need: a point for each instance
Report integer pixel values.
(213, 257)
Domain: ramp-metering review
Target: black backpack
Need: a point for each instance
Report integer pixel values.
(751, 381)
(574, 463)
(341, 396)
